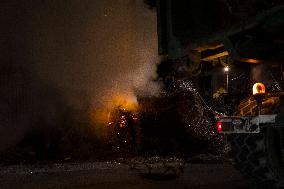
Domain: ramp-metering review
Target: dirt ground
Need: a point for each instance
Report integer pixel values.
(103, 175)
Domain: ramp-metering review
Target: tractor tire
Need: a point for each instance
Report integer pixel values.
(259, 157)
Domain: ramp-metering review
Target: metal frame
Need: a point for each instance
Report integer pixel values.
(248, 124)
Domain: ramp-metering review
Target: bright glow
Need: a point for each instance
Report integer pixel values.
(219, 126)
(103, 115)
(122, 121)
(258, 88)
(254, 61)
(226, 69)
(250, 60)
(125, 102)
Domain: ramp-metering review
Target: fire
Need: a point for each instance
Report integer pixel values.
(122, 121)
(125, 102)
(258, 88)
(103, 115)
(117, 111)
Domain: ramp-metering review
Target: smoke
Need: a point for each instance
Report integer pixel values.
(261, 73)
(97, 49)
(257, 73)
(59, 58)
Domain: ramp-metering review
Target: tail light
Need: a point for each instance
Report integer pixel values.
(219, 126)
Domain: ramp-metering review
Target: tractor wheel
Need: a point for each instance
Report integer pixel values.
(259, 157)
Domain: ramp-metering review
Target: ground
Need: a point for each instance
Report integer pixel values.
(93, 175)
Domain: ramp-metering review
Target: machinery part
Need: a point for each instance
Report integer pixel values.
(248, 106)
(238, 124)
(259, 156)
(241, 124)
(194, 113)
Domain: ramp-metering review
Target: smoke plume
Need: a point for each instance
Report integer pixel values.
(97, 48)
(61, 57)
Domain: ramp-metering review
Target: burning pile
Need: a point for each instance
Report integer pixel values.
(172, 124)
(117, 124)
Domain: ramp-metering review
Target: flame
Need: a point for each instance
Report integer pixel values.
(125, 102)
(102, 118)
(122, 122)
(103, 115)
(258, 88)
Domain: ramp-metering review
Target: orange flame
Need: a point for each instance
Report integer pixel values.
(124, 102)
(258, 88)
(103, 115)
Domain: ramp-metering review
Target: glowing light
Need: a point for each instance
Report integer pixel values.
(219, 126)
(258, 88)
(125, 102)
(122, 122)
(250, 60)
(226, 69)
(254, 61)
(105, 115)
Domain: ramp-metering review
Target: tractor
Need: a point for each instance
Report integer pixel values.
(232, 52)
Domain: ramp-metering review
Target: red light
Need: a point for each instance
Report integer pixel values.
(219, 126)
